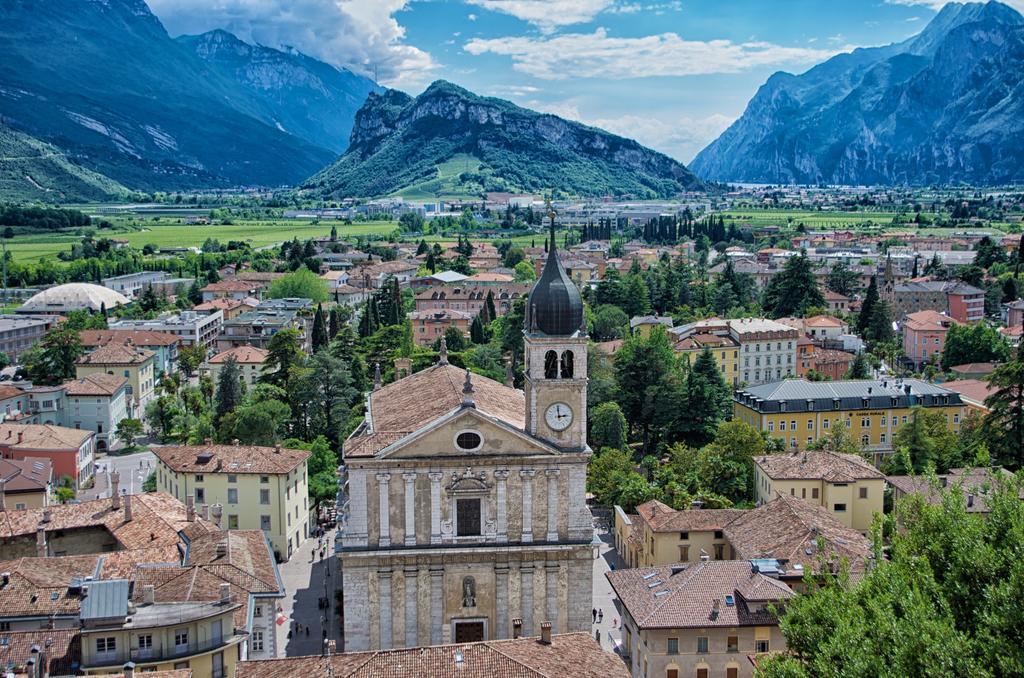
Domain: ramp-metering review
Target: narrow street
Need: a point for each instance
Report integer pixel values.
(133, 468)
(307, 580)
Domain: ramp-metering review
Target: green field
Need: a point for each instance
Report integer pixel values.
(445, 184)
(814, 219)
(166, 233)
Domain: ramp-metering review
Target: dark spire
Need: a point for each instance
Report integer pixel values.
(555, 307)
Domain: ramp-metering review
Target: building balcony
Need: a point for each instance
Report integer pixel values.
(159, 654)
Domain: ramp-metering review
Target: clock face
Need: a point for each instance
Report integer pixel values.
(558, 416)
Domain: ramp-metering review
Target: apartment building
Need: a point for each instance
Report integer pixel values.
(767, 349)
(232, 288)
(69, 450)
(257, 328)
(163, 344)
(259, 488)
(801, 411)
(724, 349)
(25, 483)
(698, 619)
(137, 365)
(97, 402)
(430, 326)
(19, 332)
(189, 326)
(924, 337)
(249, 359)
(470, 299)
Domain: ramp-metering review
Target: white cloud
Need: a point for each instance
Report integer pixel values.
(547, 15)
(363, 36)
(597, 55)
(656, 7)
(936, 5)
(513, 90)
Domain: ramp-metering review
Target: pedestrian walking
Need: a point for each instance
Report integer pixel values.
(615, 623)
(594, 613)
(307, 632)
(600, 616)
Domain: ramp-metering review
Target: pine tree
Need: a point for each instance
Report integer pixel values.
(489, 305)
(1004, 422)
(870, 299)
(860, 368)
(335, 323)
(320, 338)
(880, 323)
(230, 389)
(369, 321)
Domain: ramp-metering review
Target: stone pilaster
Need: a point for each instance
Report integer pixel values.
(551, 574)
(436, 604)
(501, 504)
(552, 475)
(411, 606)
(384, 509)
(384, 584)
(357, 610)
(580, 579)
(581, 521)
(355, 534)
(410, 508)
(501, 614)
(435, 508)
(526, 597)
(527, 536)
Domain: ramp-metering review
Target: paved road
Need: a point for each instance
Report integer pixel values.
(306, 580)
(134, 469)
(604, 598)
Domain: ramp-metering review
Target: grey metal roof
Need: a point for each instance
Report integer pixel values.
(802, 395)
(107, 599)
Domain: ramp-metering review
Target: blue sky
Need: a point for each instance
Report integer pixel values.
(670, 73)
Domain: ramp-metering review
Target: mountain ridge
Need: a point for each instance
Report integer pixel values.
(398, 140)
(922, 111)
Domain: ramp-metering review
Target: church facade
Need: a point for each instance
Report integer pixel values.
(466, 517)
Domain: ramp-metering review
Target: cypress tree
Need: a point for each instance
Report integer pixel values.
(320, 338)
(870, 299)
(476, 331)
(489, 305)
(335, 323)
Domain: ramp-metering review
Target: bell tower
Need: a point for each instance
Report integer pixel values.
(555, 367)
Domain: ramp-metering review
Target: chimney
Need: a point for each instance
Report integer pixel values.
(190, 508)
(545, 632)
(517, 628)
(222, 548)
(208, 441)
(129, 670)
(127, 508)
(216, 511)
(5, 579)
(47, 515)
(236, 442)
(225, 593)
(704, 556)
(20, 435)
(41, 542)
(148, 594)
(206, 511)
(970, 501)
(403, 368)
(115, 496)
(277, 449)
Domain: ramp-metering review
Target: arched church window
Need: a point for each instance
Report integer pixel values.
(567, 364)
(550, 365)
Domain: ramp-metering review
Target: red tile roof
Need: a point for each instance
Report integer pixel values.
(230, 458)
(663, 518)
(117, 354)
(817, 465)
(244, 355)
(95, 385)
(138, 337)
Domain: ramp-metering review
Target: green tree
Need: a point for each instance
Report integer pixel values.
(928, 441)
(492, 312)
(870, 299)
(1004, 423)
(230, 389)
(794, 290)
(300, 284)
(322, 468)
(724, 299)
(52, 360)
(149, 484)
(128, 430)
(65, 491)
(842, 280)
(879, 327)
(477, 334)
(191, 357)
(649, 384)
(335, 323)
(608, 427)
(284, 352)
(860, 368)
(325, 394)
(320, 338)
(979, 343)
(455, 340)
(524, 272)
(610, 322)
(260, 423)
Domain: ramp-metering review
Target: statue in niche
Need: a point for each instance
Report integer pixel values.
(468, 592)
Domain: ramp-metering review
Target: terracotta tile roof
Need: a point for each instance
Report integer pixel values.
(231, 285)
(138, 337)
(42, 437)
(95, 385)
(973, 390)
(258, 276)
(694, 595)
(975, 483)
(244, 355)
(38, 587)
(570, 654)
(64, 649)
(247, 561)
(7, 391)
(230, 458)
(609, 347)
(663, 518)
(833, 355)
(835, 296)
(823, 321)
(834, 467)
(157, 519)
(788, 528)
(223, 304)
(117, 354)
(31, 474)
(406, 405)
(974, 368)
(927, 320)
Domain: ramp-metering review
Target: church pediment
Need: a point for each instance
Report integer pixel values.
(467, 432)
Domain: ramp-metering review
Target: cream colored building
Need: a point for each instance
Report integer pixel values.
(137, 365)
(848, 486)
(465, 499)
(157, 636)
(249, 359)
(247, 488)
(698, 619)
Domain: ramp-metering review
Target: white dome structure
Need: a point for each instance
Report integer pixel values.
(73, 297)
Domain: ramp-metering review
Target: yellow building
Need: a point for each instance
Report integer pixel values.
(25, 483)
(845, 484)
(248, 487)
(248, 358)
(663, 535)
(724, 349)
(644, 324)
(157, 636)
(137, 365)
(799, 412)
